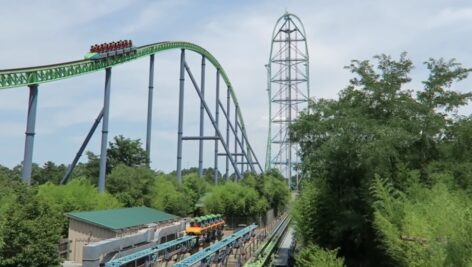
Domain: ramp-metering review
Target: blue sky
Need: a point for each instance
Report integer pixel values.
(237, 33)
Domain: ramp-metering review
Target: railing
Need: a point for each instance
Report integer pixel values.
(150, 252)
(265, 251)
(206, 254)
(63, 248)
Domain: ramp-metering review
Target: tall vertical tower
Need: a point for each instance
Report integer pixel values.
(288, 87)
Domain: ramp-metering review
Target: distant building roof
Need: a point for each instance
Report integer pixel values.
(118, 219)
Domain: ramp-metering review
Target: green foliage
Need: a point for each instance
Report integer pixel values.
(131, 185)
(121, 150)
(77, 195)
(194, 187)
(39, 210)
(126, 151)
(89, 169)
(208, 174)
(305, 214)
(168, 196)
(271, 186)
(29, 227)
(427, 227)
(276, 191)
(7, 198)
(235, 199)
(377, 128)
(49, 172)
(313, 255)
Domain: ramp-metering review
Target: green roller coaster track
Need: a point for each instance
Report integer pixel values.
(11, 78)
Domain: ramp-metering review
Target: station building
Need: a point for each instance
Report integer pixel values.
(92, 226)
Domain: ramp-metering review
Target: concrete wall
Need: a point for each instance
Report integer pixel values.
(81, 233)
(269, 218)
(263, 220)
(99, 252)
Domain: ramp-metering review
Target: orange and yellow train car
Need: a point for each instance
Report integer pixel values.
(204, 224)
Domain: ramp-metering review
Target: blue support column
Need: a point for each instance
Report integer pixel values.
(29, 140)
(181, 116)
(243, 150)
(200, 145)
(103, 150)
(149, 112)
(217, 114)
(236, 135)
(227, 130)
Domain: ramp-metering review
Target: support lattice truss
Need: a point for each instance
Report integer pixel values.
(288, 86)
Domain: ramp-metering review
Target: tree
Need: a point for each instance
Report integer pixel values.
(121, 150)
(234, 199)
(271, 186)
(49, 172)
(315, 256)
(194, 187)
(168, 196)
(126, 151)
(276, 191)
(29, 227)
(77, 195)
(131, 185)
(7, 198)
(208, 174)
(423, 226)
(374, 128)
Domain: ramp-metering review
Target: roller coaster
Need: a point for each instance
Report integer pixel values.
(206, 227)
(215, 253)
(218, 253)
(263, 256)
(240, 157)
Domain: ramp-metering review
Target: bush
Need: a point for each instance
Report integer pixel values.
(313, 255)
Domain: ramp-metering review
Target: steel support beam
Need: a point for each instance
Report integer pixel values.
(289, 152)
(106, 115)
(218, 133)
(29, 138)
(234, 154)
(181, 116)
(236, 135)
(268, 161)
(217, 118)
(243, 150)
(201, 138)
(149, 111)
(200, 145)
(228, 101)
(82, 148)
(250, 150)
(233, 130)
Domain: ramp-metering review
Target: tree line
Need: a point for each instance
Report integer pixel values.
(387, 169)
(32, 218)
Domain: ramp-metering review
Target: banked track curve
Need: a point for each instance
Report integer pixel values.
(19, 77)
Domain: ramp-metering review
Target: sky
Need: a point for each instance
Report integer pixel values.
(237, 33)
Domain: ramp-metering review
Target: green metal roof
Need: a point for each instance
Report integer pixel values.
(117, 219)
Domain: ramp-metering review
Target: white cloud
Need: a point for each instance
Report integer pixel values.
(451, 16)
